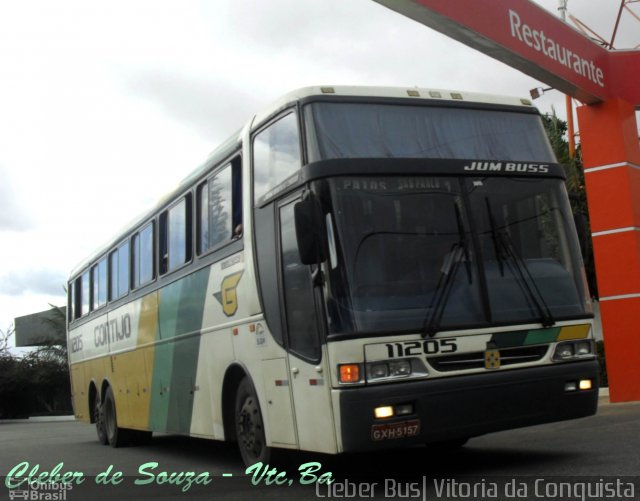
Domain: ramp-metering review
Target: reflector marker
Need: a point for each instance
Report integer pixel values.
(282, 382)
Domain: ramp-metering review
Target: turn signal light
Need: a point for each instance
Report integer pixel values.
(349, 373)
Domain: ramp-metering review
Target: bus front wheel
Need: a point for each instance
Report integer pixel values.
(250, 426)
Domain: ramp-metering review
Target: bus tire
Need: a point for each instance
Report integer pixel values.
(98, 416)
(249, 425)
(117, 437)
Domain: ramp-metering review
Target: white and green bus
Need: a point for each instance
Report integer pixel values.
(356, 269)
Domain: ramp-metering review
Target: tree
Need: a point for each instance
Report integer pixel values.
(5, 336)
(38, 382)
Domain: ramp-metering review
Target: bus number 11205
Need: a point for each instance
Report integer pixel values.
(417, 348)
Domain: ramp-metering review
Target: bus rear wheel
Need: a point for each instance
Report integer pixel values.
(98, 417)
(117, 437)
(250, 426)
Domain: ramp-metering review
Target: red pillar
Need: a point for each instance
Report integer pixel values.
(611, 155)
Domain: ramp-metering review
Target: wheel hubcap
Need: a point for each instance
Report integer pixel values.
(250, 427)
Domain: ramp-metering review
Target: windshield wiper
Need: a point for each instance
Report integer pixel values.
(459, 251)
(463, 241)
(504, 248)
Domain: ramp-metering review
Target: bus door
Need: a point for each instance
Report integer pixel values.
(310, 382)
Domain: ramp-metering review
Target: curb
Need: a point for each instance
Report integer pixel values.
(44, 419)
(39, 419)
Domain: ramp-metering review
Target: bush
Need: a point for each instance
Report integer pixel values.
(37, 384)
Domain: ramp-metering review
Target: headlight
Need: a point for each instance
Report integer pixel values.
(400, 368)
(563, 352)
(584, 348)
(389, 370)
(381, 371)
(574, 350)
(377, 370)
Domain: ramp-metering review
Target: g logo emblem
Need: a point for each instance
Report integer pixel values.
(228, 296)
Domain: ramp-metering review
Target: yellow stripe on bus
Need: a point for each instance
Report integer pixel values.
(574, 332)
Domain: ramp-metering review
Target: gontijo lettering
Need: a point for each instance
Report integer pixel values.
(112, 330)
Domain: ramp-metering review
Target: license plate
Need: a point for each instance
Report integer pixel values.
(392, 431)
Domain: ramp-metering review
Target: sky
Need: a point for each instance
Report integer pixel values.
(105, 106)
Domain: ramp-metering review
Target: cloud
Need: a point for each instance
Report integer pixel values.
(207, 106)
(14, 215)
(33, 281)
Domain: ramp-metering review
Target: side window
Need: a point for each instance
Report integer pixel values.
(175, 235)
(220, 207)
(276, 154)
(85, 293)
(77, 298)
(119, 269)
(143, 256)
(71, 303)
(298, 292)
(99, 282)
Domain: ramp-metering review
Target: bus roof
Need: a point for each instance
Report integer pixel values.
(232, 144)
(421, 93)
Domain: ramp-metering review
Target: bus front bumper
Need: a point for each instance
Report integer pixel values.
(458, 407)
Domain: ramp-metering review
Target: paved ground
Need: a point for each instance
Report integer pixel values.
(595, 449)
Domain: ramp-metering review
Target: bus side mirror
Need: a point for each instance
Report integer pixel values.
(311, 232)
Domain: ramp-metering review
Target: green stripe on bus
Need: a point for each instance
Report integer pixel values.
(181, 309)
(508, 339)
(161, 386)
(542, 336)
(524, 338)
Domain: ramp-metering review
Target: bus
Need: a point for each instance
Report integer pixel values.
(358, 268)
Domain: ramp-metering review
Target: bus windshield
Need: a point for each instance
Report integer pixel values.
(504, 245)
(366, 130)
